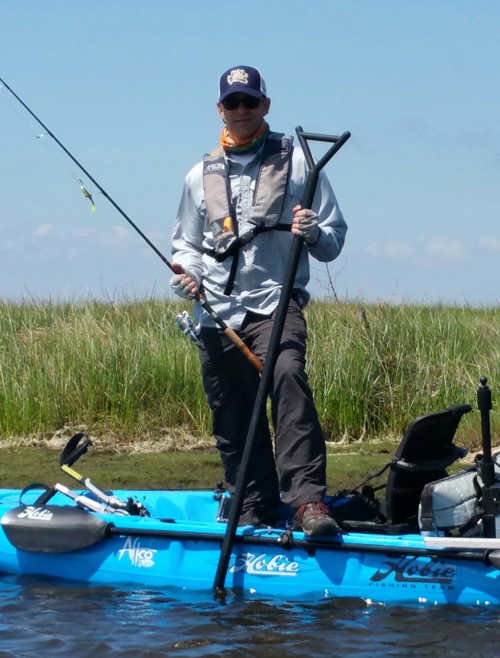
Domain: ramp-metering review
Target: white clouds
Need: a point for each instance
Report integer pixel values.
(439, 248)
(391, 249)
(491, 244)
(446, 249)
(156, 236)
(43, 230)
(120, 232)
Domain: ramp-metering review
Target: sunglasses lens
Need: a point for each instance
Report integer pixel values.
(251, 103)
(230, 103)
(248, 102)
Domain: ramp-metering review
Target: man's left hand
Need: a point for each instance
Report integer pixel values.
(305, 224)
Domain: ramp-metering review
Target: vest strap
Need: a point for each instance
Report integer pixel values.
(268, 199)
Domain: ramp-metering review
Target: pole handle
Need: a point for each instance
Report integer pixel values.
(315, 167)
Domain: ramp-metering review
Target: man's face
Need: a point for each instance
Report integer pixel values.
(242, 122)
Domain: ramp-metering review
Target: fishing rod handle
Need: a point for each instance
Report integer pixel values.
(231, 334)
(254, 360)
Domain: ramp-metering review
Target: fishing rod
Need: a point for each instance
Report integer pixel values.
(230, 333)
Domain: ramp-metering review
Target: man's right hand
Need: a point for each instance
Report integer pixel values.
(183, 283)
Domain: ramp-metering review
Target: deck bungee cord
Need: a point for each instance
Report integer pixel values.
(190, 330)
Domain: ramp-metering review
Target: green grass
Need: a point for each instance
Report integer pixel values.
(375, 368)
(125, 370)
(122, 367)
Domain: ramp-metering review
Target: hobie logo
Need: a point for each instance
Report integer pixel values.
(265, 565)
(412, 570)
(138, 556)
(40, 513)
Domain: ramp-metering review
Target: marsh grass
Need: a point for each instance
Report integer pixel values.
(375, 368)
(125, 370)
(122, 368)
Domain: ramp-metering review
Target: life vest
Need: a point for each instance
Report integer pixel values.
(269, 195)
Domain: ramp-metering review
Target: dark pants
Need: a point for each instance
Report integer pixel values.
(231, 384)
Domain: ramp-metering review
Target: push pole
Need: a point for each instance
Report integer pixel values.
(487, 466)
(273, 349)
(230, 333)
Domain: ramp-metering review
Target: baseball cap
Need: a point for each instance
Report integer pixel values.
(243, 80)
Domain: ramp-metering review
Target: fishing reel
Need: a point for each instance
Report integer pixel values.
(188, 328)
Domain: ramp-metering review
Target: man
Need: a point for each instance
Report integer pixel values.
(232, 238)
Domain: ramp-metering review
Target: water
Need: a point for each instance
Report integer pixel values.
(47, 619)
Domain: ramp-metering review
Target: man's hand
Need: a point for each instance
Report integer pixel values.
(183, 283)
(305, 224)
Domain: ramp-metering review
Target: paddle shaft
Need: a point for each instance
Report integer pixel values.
(230, 333)
(273, 349)
(112, 501)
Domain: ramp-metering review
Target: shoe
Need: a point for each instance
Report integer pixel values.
(315, 520)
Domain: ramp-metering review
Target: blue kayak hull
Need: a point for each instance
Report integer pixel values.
(178, 547)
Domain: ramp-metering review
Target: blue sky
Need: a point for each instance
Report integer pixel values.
(129, 87)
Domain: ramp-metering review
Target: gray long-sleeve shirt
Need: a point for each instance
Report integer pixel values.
(263, 261)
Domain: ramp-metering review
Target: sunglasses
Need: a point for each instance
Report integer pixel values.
(248, 102)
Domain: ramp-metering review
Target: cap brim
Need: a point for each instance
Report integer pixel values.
(241, 89)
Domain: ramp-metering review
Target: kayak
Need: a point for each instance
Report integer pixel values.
(432, 540)
(179, 545)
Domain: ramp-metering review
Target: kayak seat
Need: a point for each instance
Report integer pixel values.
(425, 452)
(423, 455)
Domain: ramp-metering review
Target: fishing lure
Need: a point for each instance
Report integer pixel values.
(86, 193)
